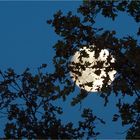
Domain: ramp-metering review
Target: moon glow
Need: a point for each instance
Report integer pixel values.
(89, 72)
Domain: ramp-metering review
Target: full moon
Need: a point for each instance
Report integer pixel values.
(89, 72)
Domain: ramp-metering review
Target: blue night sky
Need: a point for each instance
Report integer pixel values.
(26, 41)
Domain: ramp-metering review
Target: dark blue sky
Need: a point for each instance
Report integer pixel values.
(25, 38)
(26, 41)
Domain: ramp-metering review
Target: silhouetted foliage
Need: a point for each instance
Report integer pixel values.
(27, 101)
(77, 32)
(36, 116)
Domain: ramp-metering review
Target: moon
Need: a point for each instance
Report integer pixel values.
(89, 72)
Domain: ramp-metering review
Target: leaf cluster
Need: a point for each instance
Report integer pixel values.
(125, 50)
(36, 116)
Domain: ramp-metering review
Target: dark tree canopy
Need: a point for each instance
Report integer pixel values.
(36, 116)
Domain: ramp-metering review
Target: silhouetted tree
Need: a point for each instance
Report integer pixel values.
(27, 102)
(77, 31)
(36, 116)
